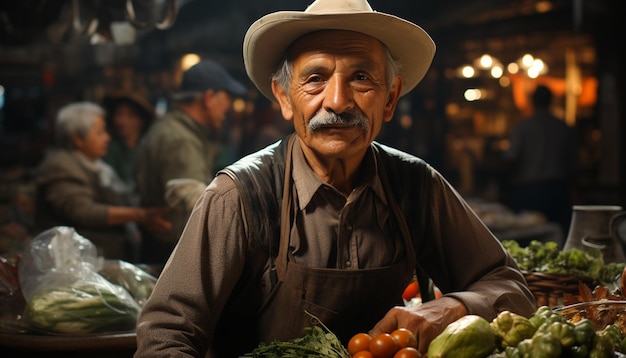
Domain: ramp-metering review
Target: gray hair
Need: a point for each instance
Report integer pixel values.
(285, 71)
(75, 119)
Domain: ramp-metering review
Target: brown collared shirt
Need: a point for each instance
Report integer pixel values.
(357, 225)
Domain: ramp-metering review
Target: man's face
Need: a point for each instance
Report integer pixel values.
(218, 106)
(340, 72)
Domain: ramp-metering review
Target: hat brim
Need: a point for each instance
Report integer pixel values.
(146, 110)
(269, 37)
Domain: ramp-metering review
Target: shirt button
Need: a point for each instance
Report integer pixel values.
(349, 227)
(348, 264)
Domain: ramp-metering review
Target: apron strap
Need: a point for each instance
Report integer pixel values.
(280, 262)
(424, 282)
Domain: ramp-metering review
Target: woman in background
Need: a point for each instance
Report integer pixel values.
(76, 188)
(128, 117)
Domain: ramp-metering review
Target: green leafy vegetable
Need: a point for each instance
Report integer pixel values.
(83, 308)
(546, 257)
(316, 342)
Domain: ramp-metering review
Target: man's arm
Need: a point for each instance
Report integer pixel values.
(181, 314)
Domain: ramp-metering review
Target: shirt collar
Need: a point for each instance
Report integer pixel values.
(188, 121)
(92, 165)
(308, 183)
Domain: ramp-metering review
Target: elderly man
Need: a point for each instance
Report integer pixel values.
(327, 221)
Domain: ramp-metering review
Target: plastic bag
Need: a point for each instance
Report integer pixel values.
(64, 292)
(136, 281)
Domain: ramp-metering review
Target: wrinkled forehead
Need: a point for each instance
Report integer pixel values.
(339, 42)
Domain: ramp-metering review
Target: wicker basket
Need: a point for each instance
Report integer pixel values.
(548, 289)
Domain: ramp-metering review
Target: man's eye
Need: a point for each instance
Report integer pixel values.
(361, 77)
(314, 79)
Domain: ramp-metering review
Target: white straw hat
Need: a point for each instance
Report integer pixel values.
(269, 37)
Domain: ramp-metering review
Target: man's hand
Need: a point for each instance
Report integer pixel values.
(153, 219)
(426, 321)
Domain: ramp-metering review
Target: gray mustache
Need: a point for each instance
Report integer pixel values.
(350, 118)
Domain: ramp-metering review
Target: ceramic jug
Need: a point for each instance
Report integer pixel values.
(595, 226)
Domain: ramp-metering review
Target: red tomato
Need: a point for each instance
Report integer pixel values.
(363, 354)
(411, 290)
(383, 346)
(408, 352)
(404, 337)
(359, 342)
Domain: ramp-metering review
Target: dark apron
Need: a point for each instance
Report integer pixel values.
(346, 301)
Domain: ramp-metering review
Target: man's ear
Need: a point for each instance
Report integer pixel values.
(207, 96)
(283, 100)
(392, 98)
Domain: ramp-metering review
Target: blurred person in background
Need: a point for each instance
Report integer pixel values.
(76, 188)
(543, 158)
(128, 118)
(175, 159)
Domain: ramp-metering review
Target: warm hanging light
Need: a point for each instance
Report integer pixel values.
(486, 61)
(526, 61)
(468, 71)
(497, 71)
(513, 68)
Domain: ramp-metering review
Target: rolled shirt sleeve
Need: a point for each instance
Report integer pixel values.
(466, 261)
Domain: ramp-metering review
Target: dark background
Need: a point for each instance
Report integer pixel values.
(49, 56)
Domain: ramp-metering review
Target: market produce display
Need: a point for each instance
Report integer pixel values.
(77, 308)
(555, 336)
(548, 258)
(61, 286)
(82, 308)
(548, 333)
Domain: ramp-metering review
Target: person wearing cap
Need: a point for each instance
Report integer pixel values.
(327, 221)
(175, 159)
(129, 116)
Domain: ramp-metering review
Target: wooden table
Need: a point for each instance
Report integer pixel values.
(98, 346)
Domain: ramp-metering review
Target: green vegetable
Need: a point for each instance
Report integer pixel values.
(557, 337)
(611, 272)
(469, 336)
(512, 352)
(584, 331)
(524, 348)
(511, 328)
(82, 308)
(577, 263)
(563, 331)
(546, 257)
(534, 255)
(606, 341)
(544, 345)
(577, 351)
(316, 342)
(545, 315)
